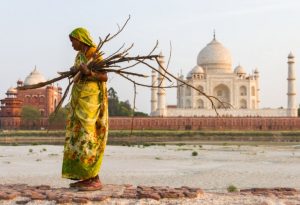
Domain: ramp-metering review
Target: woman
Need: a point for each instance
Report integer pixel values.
(87, 121)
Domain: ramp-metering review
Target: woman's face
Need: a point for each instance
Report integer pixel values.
(77, 45)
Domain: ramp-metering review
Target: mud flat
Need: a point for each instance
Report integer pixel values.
(213, 168)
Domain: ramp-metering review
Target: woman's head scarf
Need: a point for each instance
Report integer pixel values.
(83, 36)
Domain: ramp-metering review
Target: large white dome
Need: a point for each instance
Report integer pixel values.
(34, 77)
(215, 58)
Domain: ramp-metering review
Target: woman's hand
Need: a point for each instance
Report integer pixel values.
(100, 76)
(73, 69)
(84, 69)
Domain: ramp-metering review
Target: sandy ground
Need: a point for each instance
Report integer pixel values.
(213, 169)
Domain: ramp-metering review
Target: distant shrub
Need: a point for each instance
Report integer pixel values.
(180, 144)
(232, 188)
(194, 153)
(146, 145)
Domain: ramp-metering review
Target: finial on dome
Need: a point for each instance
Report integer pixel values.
(214, 34)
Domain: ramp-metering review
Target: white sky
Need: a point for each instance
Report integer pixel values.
(259, 33)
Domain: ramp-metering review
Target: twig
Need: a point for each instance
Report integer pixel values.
(144, 85)
(42, 84)
(63, 98)
(133, 110)
(170, 55)
(154, 48)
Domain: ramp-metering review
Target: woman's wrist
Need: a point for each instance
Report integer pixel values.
(92, 74)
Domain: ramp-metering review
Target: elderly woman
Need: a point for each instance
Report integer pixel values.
(87, 121)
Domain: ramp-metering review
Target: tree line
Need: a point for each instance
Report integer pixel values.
(31, 116)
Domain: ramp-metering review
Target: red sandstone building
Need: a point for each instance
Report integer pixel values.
(44, 99)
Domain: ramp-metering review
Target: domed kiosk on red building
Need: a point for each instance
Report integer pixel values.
(44, 99)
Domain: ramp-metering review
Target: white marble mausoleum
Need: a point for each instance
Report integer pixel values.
(215, 75)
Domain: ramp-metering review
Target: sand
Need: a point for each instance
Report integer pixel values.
(213, 169)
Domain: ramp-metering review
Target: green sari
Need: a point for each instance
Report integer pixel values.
(87, 122)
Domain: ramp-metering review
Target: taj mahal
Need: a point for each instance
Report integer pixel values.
(214, 75)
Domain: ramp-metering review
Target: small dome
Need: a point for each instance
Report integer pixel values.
(197, 70)
(291, 55)
(239, 70)
(215, 57)
(34, 77)
(256, 71)
(189, 75)
(11, 90)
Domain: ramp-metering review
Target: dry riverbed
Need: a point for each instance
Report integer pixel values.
(211, 167)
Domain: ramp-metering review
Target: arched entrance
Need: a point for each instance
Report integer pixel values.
(200, 104)
(222, 92)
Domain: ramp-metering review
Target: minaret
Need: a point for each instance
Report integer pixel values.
(292, 105)
(256, 76)
(161, 94)
(153, 94)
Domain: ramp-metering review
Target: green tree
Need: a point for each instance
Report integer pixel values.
(112, 94)
(140, 114)
(120, 108)
(59, 118)
(124, 109)
(30, 116)
(113, 102)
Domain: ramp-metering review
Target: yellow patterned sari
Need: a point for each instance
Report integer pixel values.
(87, 126)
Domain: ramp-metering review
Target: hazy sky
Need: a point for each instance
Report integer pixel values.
(259, 33)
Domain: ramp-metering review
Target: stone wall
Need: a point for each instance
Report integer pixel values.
(205, 123)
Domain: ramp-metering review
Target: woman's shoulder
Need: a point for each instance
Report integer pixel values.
(90, 52)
